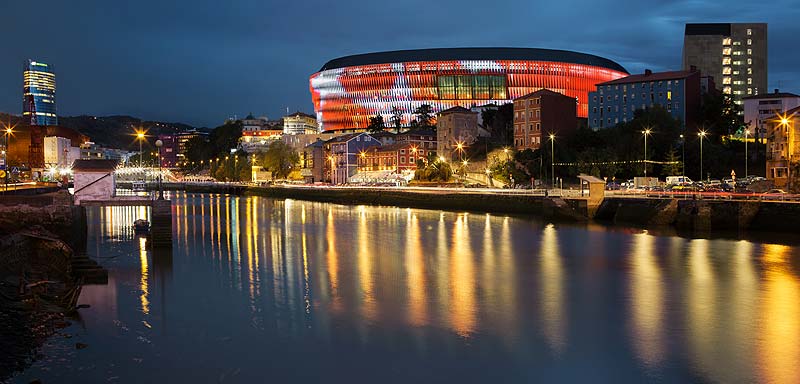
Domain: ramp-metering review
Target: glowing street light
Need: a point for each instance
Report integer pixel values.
(746, 159)
(702, 134)
(140, 137)
(646, 133)
(553, 158)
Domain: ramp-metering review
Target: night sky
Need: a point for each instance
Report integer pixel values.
(202, 61)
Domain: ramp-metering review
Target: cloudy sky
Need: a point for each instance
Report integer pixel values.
(201, 61)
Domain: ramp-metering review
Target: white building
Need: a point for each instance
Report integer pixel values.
(761, 110)
(59, 152)
(94, 180)
(300, 123)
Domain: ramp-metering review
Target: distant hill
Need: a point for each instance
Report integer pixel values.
(108, 131)
(118, 131)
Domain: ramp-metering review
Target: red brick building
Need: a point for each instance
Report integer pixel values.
(399, 156)
(538, 114)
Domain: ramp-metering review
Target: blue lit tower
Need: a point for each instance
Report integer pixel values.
(39, 94)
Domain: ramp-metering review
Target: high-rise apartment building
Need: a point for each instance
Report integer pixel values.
(735, 54)
(39, 94)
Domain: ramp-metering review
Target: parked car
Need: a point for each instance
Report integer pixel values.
(773, 194)
(613, 186)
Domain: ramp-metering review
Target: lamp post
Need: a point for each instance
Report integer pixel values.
(553, 158)
(8, 133)
(683, 155)
(159, 143)
(702, 135)
(646, 133)
(784, 121)
(746, 159)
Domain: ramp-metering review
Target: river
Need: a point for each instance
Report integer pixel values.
(263, 290)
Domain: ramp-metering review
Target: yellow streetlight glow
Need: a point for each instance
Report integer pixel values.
(441, 158)
(464, 162)
(460, 145)
(552, 136)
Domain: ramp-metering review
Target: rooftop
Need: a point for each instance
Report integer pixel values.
(482, 53)
(456, 109)
(99, 165)
(298, 113)
(543, 91)
(774, 95)
(650, 76)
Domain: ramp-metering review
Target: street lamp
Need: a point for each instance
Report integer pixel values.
(702, 135)
(646, 133)
(159, 143)
(553, 158)
(683, 155)
(746, 159)
(7, 134)
(140, 138)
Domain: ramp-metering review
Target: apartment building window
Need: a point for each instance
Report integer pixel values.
(749, 51)
(749, 41)
(749, 71)
(749, 32)
(749, 61)
(749, 80)
(538, 127)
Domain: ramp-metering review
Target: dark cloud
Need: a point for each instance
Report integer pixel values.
(201, 61)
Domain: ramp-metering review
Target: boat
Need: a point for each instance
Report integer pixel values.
(141, 226)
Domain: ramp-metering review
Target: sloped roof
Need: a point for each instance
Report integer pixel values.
(456, 109)
(99, 165)
(655, 76)
(543, 91)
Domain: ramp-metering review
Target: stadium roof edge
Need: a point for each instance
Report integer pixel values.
(483, 53)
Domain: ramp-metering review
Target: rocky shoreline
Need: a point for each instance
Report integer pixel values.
(38, 289)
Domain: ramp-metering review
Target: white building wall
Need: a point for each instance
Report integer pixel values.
(100, 190)
(753, 116)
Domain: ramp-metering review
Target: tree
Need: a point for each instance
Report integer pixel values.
(720, 115)
(674, 166)
(396, 119)
(424, 116)
(279, 158)
(433, 169)
(376, 124)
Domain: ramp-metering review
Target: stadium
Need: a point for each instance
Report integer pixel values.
(349, 90)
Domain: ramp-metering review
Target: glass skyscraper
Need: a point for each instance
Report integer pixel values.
(39, 93)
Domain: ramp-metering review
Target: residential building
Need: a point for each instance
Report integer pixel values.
(616, 101)
(343, 154)
(385, 137)
(735, 54)
(258, 133)
(39, 94)
(58, 152)
(541, 113)
(299, 142)
(783, 145)
(300, 123)
(482, 108)
(398, 157)
(422, 140)
(170, 149)
(312, 162)
(759, 110)
(455, 127)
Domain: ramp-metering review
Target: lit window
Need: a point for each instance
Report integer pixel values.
(726, 41)
(749, 42)
(749, 32)
(749, 80)
(749, 61)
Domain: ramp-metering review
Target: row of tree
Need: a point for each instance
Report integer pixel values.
(424, 119)
(226, 165)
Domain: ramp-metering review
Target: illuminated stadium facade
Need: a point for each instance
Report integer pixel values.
(349, 90)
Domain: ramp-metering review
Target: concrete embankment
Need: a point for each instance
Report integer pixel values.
(681, 214)
(702, 215)
(570, 210)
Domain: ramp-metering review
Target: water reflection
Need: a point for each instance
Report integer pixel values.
(779, 345)
(647, 302)
(554, 316)
(309, 287)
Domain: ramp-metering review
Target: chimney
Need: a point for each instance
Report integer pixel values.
(648, 72)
